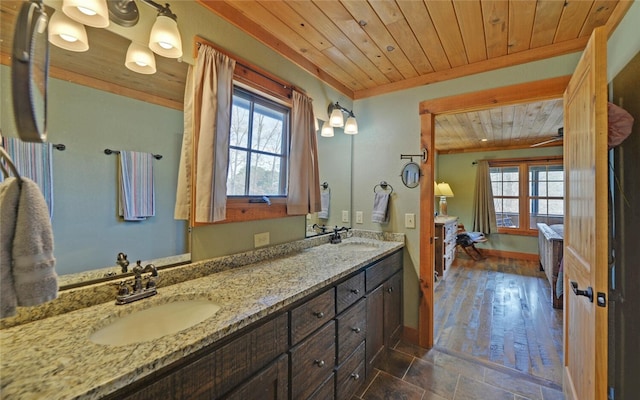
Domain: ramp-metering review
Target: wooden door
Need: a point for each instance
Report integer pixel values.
(585, 240)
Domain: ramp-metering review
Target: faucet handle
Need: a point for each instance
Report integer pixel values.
(123, 290)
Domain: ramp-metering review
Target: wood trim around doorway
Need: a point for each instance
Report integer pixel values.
(552, 88)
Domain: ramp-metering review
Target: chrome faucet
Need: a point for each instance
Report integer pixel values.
(137, 291)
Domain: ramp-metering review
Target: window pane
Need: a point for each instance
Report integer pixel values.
(239, 131)
(258, 147)
(237, 173)
(556, 189)
(267, 130)
(265, 175)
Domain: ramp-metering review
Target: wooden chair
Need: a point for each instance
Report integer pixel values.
(467, 243)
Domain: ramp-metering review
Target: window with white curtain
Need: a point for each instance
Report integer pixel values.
(258, 146)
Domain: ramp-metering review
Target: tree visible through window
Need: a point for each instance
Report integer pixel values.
(258, 143)
(526, 192)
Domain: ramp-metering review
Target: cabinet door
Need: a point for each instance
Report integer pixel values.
(392, 309)
(269, 384)
(312, 361)
(375, 326)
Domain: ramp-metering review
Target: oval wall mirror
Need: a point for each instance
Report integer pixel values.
(411, 175)
(30, 70)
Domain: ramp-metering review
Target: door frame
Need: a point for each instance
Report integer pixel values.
(546, 89)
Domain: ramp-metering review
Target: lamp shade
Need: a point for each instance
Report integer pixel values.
(445, 189)
(336, 119)
(165, 38)
(351, 126)
(436, 190)
(140, 59)
(88, 12)
(67, 33)
(327, 130)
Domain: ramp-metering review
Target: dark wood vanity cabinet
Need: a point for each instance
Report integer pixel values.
(321, 348)
(384, 307)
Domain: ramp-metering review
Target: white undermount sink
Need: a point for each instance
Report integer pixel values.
(358, 246)
(154, 322)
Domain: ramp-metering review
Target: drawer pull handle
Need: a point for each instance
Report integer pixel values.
(319, 363)
(356, 330)
(355, 291)
(319, 314)
(355, 376)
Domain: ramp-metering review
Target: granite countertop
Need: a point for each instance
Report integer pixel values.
(53, 358)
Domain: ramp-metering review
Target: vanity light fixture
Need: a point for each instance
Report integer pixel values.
(67, 33)
(140, 59)
(87, 12)
(336, 118)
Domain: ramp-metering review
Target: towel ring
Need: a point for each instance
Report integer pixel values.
(384, 186)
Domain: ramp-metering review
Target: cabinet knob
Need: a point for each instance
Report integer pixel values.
(319, 314)
(356, 329)
(355, 291)
(355, 376)
(390, 289)
(319, 363)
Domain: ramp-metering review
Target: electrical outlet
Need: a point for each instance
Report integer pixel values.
(261, 239)
(345, 216)
(410, 221)
(359, 217)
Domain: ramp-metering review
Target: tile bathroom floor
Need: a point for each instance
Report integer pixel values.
(496, 337)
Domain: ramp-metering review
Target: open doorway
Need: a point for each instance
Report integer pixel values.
(517, 94)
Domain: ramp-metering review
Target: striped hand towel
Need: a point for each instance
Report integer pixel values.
(33, 161)
(136, 200)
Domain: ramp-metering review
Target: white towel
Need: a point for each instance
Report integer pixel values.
(136, 198)
(9, 195)
(34, 274)
(325, 199)
(380, 213)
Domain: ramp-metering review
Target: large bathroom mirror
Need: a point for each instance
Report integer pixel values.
(335, 158)
(95, 103)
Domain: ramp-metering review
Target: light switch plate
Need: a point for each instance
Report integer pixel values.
(359, 217)
(410, 221)
(261, 239)
(345, 216)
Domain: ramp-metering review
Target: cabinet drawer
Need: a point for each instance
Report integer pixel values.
(349, 291)
(326, 391)
(272, 383)
(381, 270)
(352, 326)
(351, 374)
(311, 315)
(312, 361)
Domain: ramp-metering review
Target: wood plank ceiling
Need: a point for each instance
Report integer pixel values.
(369, 47)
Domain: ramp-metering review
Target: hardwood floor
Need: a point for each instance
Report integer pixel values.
(497, 337)
(499, 310)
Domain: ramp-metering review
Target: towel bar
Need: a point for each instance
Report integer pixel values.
(109, 151)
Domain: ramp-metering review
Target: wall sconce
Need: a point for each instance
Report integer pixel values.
(70, 34)
(443, 190)
(336, 119)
